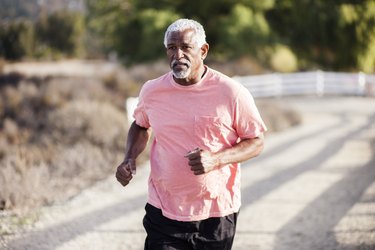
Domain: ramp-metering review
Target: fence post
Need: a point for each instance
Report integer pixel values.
(131, 104)
(361, 83)
(278, 85)
(319, 83)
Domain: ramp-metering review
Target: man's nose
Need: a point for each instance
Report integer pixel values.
(179, 53)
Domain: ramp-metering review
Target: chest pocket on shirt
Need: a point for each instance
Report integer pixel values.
(209, 132)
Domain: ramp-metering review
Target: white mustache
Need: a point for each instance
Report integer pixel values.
(176, 62)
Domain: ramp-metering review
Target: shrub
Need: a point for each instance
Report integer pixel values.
(13, 99)
(278, 116)
(283, 60)
(60, 90)
(24, 182)
(68, 40)
(100, 123)
(51, 131)
(10, 130)
(80, 165)
(16, 40)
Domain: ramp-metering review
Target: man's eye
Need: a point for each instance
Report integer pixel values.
(172, 47)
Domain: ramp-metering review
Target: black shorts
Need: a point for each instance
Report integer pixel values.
(166, 234)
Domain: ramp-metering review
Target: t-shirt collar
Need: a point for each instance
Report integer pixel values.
(193, 86)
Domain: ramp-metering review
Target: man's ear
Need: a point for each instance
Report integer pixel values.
(204, 50)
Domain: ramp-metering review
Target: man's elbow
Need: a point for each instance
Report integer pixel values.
(259, 144)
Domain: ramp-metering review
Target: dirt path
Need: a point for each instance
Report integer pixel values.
(312, 188)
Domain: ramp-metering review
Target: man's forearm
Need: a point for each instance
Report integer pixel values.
(136, 141)
(244, 150)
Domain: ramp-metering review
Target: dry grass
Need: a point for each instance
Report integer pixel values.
(24, 183)
(277, 116)
(57, 136)
(99, 123)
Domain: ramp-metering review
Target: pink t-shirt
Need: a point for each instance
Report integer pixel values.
(212, 114)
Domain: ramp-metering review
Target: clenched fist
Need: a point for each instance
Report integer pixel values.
(202, 161)
(125, 171)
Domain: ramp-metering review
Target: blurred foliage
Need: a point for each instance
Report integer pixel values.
(12, 9)
(51, 130)
(137, 27)
(134, 32)
(334, 34)
(55, 35)
(283, 60)
(69, 38)
(16, 39)
(326, 34)
(246, 32)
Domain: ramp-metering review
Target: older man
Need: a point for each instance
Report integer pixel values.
(204, 125)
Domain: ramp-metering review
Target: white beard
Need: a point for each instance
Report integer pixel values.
(181, 74)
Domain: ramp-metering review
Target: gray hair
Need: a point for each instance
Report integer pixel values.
(183, 24)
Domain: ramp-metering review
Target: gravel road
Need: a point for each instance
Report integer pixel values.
(312, 188)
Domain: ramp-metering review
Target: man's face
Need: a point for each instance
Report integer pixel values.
(185, 57)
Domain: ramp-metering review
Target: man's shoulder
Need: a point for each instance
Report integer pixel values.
(159, 79)
(155, 83)
(224, 80)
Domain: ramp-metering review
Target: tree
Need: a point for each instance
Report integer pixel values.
(334, 34)
(16, 40)
(142, 39)
(244, 31)
(62, 32)
(131, 29)
(18, 9)
(358, 20)
(135, 29)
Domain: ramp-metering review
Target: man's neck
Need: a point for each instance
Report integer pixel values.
(193, 79)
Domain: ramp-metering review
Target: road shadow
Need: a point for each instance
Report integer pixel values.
(259, 189)
(336, 201)
(54, 236)
(321, 216)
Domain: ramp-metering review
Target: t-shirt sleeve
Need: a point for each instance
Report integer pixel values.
(247, 120)
(140, 114)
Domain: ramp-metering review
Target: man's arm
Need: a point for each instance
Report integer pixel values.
(202, 161)
(136, 143)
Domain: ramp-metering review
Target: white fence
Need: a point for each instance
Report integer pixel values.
(305, 83)
(309, 83)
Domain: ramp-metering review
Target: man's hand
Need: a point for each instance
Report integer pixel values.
(201, 161)
(125, 171)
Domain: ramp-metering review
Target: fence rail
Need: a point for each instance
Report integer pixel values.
(309, 83)
(304, 83)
